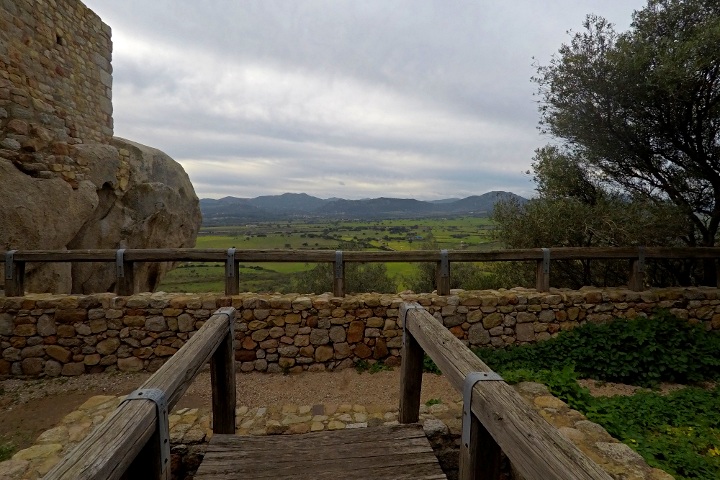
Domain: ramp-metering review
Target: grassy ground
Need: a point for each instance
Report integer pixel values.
(390, 235)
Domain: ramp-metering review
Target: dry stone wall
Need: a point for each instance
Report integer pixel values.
(52, 335)
(55, 85)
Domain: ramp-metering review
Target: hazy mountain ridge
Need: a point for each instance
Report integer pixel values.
(229, 210)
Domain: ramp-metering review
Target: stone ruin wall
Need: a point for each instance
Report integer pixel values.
(52, 335)
(55, 85)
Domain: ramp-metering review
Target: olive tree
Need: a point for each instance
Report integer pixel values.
(641, 109)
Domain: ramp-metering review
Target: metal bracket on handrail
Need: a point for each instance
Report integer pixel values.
(120, 263)
(444, 264)
(404, 309)
(339, 264)
(546, 260)
(470, 381)
(9, 264)
(231, 318)
(641, 260)
(157, 396)
(230, 263)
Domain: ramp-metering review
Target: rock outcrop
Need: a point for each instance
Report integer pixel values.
(65, 181)
(131, 196)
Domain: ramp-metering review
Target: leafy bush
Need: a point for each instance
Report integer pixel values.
(6, 451)
(362, 366)
(678, 432)
(429, 366)
(643, 351)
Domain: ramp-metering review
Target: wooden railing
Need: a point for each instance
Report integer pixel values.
(133, 442)
(125, 260)
(498, 419)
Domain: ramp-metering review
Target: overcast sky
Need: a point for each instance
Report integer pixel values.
(422, 99)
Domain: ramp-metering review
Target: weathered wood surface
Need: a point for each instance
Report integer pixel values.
(481, 458)
(534, 447)
(411, 370)
(398, 452)
(15, 285)
(312, 256)
(222, 382)
(111, 448)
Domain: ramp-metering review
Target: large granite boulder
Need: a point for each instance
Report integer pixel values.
(132, 196)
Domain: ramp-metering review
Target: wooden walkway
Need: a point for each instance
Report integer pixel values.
(395, 452)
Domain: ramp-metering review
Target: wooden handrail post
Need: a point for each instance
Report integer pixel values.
(542, 275)
(232, 273)
(637, 271)
(14, 276)
(106, 454)
(339, 275)
(482, 457)
(124, 274)
(536, 449)
(411, 370)
(222, 379)
(442, 274)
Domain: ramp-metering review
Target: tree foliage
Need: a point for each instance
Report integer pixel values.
(468, 276)
(576, 209)
(359, 277)
(641, 109)
(636, 116)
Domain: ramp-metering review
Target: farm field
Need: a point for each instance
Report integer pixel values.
(472, 233)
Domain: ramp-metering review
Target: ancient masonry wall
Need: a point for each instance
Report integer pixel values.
(45, 335)
(55, 85)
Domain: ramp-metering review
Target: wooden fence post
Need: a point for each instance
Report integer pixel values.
(232, 273)
(14, 276)
(411, 370)
(542, 276)
(442, 274)
(482, 457)
(222, 379)
(125, 274)
(339, 275)
(637, 272)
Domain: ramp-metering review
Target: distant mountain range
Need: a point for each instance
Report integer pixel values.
(233, 210)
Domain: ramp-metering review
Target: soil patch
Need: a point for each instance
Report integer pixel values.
(33, 406)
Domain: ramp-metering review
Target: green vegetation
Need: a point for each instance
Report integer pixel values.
(362, 366)
(642, 351)
(433, 401)
(678, 432)
(6, 451)
(429, 366)
(387, 235)
(631, 162)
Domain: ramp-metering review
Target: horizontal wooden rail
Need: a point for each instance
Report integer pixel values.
(128, 438)
(320, 256)
(502, 419)
(14, 276)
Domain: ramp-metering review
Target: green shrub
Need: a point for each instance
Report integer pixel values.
(679, 432)
(642, 351)
(6, 451)
(429, 366)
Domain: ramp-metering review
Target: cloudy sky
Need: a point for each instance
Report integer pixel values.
(422, 99)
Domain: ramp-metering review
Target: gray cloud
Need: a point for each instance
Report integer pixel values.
(424, 99)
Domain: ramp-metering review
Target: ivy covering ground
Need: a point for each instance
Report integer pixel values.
(678, 432)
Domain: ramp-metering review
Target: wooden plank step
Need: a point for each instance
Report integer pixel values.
(395, 452)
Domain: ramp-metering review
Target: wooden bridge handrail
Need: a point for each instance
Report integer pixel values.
(501, 417)
(128, 439)
(14, 278)
(311, 256)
